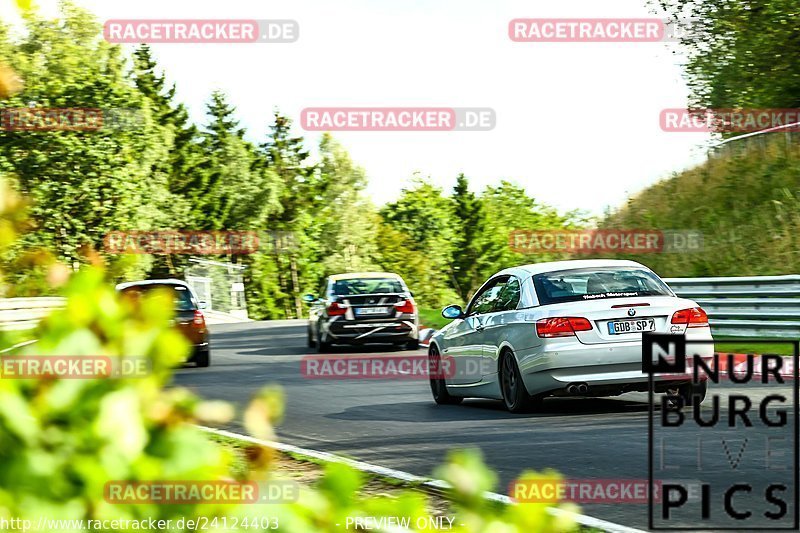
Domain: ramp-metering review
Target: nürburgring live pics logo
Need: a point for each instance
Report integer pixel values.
(739, 446)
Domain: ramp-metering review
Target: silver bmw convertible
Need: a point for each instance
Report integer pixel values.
(566, 328)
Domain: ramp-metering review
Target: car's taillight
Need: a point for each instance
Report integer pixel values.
(199, 319)
(693, 317)
(561, 326)
(336, 310)
(406, 306)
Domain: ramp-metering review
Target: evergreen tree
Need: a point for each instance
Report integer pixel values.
(177, 141)
(346, 219)
(288, 158)
(468, 238)
(299, 197)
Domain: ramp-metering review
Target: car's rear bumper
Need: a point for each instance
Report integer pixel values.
(603, 368)
(197, 349)
(373, 330)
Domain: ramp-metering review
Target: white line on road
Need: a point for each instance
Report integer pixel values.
(20, 345)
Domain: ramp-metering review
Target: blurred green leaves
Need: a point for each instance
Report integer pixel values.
(10, 82)
(24, 5)
(264, 410)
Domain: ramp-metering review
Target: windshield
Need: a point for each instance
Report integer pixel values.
(597, 283)
(344, 287)
(183, 298)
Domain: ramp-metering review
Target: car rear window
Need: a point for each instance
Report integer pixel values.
(183, 298)
(597, 283)
(344, 287)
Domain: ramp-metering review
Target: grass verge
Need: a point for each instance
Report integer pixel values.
(308, 471)
(736, 346)
(432, 318)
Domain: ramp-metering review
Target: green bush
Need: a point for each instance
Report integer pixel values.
(745, 201)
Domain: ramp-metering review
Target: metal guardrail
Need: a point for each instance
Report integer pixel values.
(755, 306)
(217, 317)
(25, 313)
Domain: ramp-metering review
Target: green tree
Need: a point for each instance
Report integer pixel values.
(182, 153)
(425, 217)
(81, 184)
(347, 219)
(469, 242)
(508, 207)
(299, 197)
(287, 156)
(741, 53)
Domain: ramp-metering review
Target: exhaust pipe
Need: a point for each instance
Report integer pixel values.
(575, 389)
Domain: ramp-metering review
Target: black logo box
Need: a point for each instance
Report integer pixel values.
(665, 340)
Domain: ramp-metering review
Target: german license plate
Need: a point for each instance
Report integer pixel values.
(619, 327)
(363, 311)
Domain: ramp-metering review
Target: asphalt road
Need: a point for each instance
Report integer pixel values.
(395, 424)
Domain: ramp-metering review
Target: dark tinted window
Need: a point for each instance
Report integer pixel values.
(486, 300)
(344, 287)
(596, 283)
(183, 298)
(508, 298)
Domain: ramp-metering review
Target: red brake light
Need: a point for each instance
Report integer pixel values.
(406, 306)
(562, 326)
(199, 319)
(693, 317)
(335, 309)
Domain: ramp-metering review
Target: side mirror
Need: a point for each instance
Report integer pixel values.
(309, 298)
(452, 312)
(202, 305)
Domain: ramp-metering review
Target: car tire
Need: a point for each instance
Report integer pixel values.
(438, 386)
(413, 344)
(311, 342)
(322, 347)
(515, 396)
(203, 358)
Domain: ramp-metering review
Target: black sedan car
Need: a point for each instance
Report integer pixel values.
(360, 308)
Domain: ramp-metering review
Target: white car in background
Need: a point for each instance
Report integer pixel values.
(566, 328)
